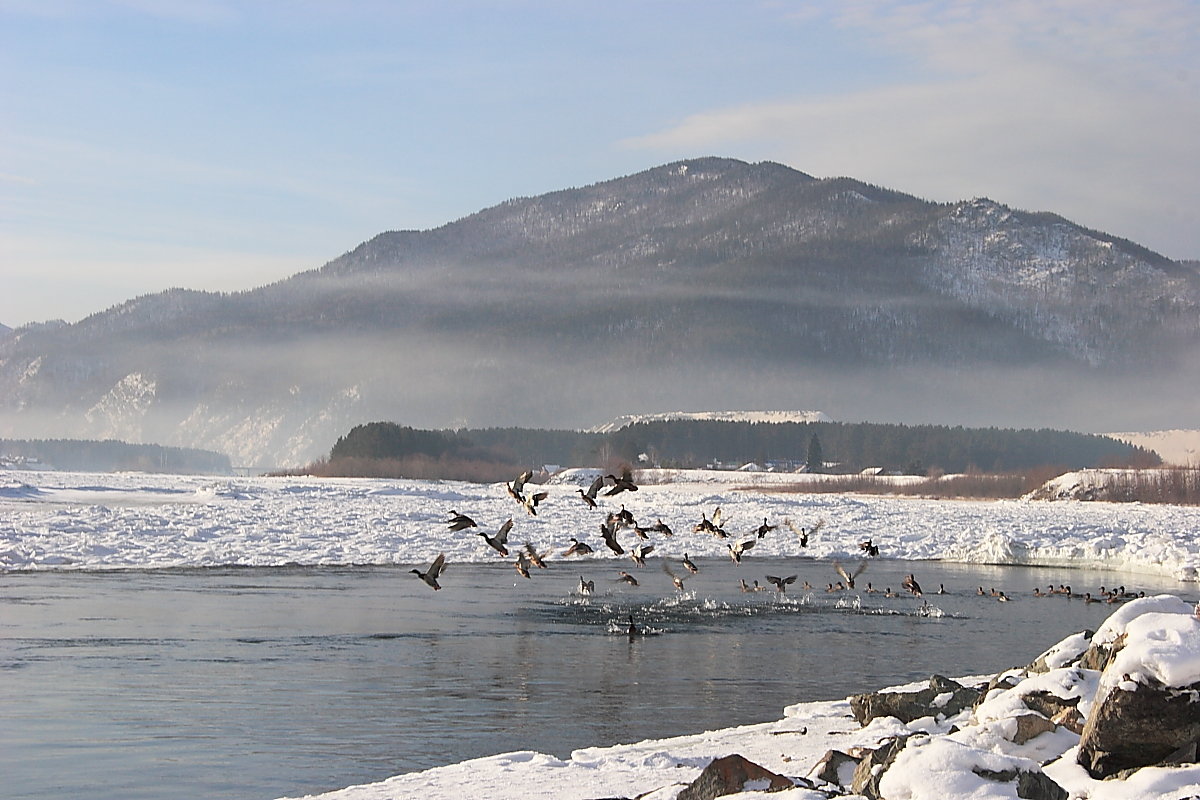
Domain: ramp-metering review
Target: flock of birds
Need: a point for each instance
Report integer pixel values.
(616, 523)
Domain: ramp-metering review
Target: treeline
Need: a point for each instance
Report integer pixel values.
(843, 447)
(851, 447)
(84, 455)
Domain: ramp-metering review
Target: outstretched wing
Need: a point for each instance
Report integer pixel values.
(502, 534)
(438, 566)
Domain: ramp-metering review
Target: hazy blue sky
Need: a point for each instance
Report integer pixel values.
(216, 144)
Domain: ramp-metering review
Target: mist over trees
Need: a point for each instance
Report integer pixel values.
(113, 456)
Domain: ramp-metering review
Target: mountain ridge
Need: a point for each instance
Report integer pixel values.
(744, 285)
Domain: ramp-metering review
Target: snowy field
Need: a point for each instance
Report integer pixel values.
(72, 521)
(91, 521)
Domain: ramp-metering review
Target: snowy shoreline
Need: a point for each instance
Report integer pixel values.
(947, 756)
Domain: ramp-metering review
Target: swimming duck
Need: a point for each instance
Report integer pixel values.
(781, 583)
(499, 541)
(688, 565)
(460, 522)
(430, 576)
(910, 583)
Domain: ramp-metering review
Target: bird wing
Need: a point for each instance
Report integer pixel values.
(519, 483)
(746, 545)
(437, 566)
(596, 486)
(502, 534)
(716, 517)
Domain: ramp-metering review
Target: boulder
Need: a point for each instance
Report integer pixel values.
(732, 775)
(943, 696)
(873, 765)
(1047, 704)
(835, 767)
(1030, 785)
(1030, 726)
(1150, 725)
(1071, 719)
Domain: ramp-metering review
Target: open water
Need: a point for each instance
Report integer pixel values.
(261, 683)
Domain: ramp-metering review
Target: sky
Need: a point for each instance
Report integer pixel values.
(223, 145)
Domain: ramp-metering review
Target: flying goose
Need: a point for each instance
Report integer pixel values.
(781, 583)
(619, 484)
(675, 579)
(736, 550)
(460, 522)
(609, 533)
(534, 557)
(846, 576)
(431, 575)
(499, 541)
(578, 548)
(640, 552)
(804, 533)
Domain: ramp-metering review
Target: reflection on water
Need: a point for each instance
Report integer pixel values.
(257, 683)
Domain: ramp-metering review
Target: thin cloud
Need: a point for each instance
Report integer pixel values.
(1064, 106)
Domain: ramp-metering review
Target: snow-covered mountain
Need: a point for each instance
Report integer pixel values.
(707, 283)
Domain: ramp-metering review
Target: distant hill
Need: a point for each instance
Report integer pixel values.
(706, 283)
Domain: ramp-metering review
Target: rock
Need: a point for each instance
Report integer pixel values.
(835, 767)
(1071, 719)
(944, 696)
(872, 767)
(1066, 653)
(731, 775)
(1030, 785)
(1030, 726)
(1047, 704)
(1140, 728)
(1099, 654)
